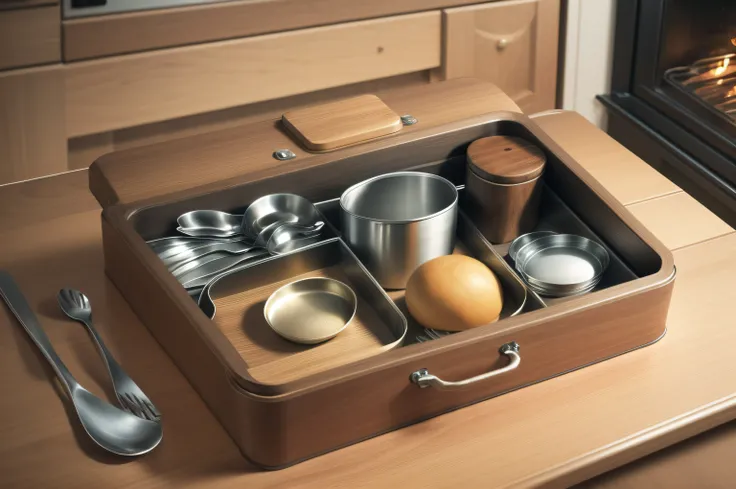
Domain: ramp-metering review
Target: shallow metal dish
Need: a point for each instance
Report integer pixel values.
(547, 291)
(562, 264)
(334, 251)
(524, 240)
(311, 310)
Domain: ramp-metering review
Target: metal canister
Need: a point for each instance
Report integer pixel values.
(397, 221)
(503, 186)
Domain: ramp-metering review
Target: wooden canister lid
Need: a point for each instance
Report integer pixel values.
(505, 159)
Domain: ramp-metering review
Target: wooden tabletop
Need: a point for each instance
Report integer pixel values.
(559, 432)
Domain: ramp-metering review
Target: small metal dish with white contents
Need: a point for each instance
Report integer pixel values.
(561, 265)
(524, 240)
(311, 310)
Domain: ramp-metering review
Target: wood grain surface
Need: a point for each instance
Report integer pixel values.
(159, 85)
(18, 4)
(559, 432)
(341, 123)
(503, 212)
(702, 461)
(29, 36)
(513, 44)
(139, 173)
(505, 159)
(83, 151)
(32, 137)
(274, 360)
(227, 20)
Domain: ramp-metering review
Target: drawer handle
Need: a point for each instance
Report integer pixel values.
(424, 379)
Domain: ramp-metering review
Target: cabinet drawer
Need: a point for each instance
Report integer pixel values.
(29, 37)
(125, 91)
(512, 44)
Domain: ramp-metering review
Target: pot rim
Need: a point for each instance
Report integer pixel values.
(449, 208)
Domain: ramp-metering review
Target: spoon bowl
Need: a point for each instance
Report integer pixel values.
(273, 210)
(216, 223)
(206, 232)
(290, 237)
(113, 429)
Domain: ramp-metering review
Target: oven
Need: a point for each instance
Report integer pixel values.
(673, 93)
(87, 8)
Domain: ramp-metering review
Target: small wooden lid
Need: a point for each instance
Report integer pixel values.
(505, 159)
(341, 123)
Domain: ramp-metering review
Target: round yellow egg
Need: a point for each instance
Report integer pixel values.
(454, 293)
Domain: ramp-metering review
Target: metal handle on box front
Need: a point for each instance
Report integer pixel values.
(424, 379)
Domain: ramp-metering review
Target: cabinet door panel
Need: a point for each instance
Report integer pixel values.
(29, 36)
(512, 44)
(32, 133)
(125, 91)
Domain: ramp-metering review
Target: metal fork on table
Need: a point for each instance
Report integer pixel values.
(76, 305)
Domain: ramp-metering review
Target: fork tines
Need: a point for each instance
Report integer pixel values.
(143, 408)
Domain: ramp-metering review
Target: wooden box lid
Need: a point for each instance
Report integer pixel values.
(341, 123)
(506, 159)
(215, 159)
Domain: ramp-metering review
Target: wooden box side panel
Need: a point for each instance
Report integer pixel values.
(188, 351)
(384, 400)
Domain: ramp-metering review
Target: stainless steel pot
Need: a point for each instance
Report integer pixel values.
(397, 221)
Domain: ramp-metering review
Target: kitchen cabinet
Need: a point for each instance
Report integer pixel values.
(137, 78)
(233, 19)
(512, 44)
(18, 4)
(32, 137)
(124, 91)
(29, 37)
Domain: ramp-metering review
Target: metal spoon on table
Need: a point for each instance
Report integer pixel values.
(76, 305)
(113, 429)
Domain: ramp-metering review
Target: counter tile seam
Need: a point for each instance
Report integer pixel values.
(697, 243)
(654, 197)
